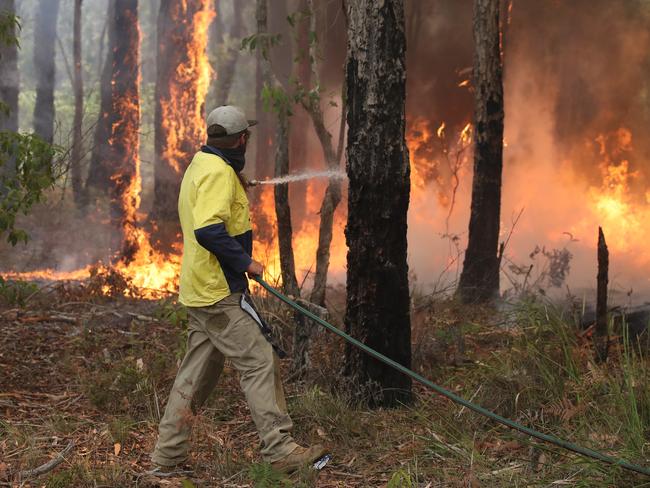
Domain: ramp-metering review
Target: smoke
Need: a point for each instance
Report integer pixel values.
(576, 104)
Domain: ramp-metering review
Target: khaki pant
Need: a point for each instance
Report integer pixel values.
(216, 332)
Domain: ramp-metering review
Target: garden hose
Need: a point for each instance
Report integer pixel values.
(453, 397)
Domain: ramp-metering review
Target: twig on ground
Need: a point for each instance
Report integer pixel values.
(50, 465)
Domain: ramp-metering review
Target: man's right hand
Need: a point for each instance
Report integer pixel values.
(255, 268)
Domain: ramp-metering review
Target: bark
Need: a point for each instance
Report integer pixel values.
(263, 169)
(227, 68)
(332, 156)
(9, 78)
(302, 70)
(179, 125)
(281, 192)
(601, 337)
(378, 170)
(479, 280)
(124, 122)
(283, 210)
(98, 180)
(44, 67)
(77, 142)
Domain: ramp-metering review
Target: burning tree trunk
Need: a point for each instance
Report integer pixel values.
(9, 79)
(124, 122)
(378, 169)
(183, 77)
(77, 149)
(479, 281)
(44, 65)
(227, 68)
(601, 337)
(99, 171)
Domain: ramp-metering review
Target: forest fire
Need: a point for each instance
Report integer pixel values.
(182, 109)
(305, 235)
(568, 179)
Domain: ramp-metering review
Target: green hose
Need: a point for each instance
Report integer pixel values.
(455, 398)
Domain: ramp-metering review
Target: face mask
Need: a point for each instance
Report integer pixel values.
(234, 156)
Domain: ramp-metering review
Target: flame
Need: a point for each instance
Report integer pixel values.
(434, 159)
(441, 130)
(305, 236)
(182, 110)
(150, 273)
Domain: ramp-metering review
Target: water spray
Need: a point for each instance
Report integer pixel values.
(308, 175)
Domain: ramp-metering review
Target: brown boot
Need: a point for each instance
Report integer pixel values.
(298, 458)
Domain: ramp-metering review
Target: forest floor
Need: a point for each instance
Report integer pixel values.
(93, 373)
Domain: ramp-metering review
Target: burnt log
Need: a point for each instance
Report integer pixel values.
(601, 336)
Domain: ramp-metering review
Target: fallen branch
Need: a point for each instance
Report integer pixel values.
(50, 465)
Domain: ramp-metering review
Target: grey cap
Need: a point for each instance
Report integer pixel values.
(231, 118)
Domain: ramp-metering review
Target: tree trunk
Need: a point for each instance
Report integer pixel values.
(9, 78)
(378, 170)
(227, 67)
(302, 70)
(44, 67)
(282, 208)
(77, 143)
(479, 280)
(98, 180)
(181, 85)
(601, 336)
(263, 168)
(281, 192)
(124, 123)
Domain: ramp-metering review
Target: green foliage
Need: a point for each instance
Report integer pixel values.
(9, 25)
(171, 311)
(26, 172)
(401, 479)
(264, 476)
(276, 99)
(15, 293)
(262, 41)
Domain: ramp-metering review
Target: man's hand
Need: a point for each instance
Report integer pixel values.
(255, 268)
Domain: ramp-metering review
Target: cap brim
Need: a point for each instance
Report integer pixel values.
(251, 123)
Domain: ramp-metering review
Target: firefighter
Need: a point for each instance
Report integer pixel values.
(223, 323)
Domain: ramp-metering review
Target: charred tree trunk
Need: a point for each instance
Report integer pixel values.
(378, 169)
(98, 179)
(601, 336)
(124, 122)
(479, 280)
(9, 78)
(227, 67)
(44, 66)
(77, 143)
(282, 208)
(181, 85)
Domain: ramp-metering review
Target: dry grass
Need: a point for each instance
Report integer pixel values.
(97, 371)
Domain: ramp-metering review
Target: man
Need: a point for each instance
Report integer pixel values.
(217, 240)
